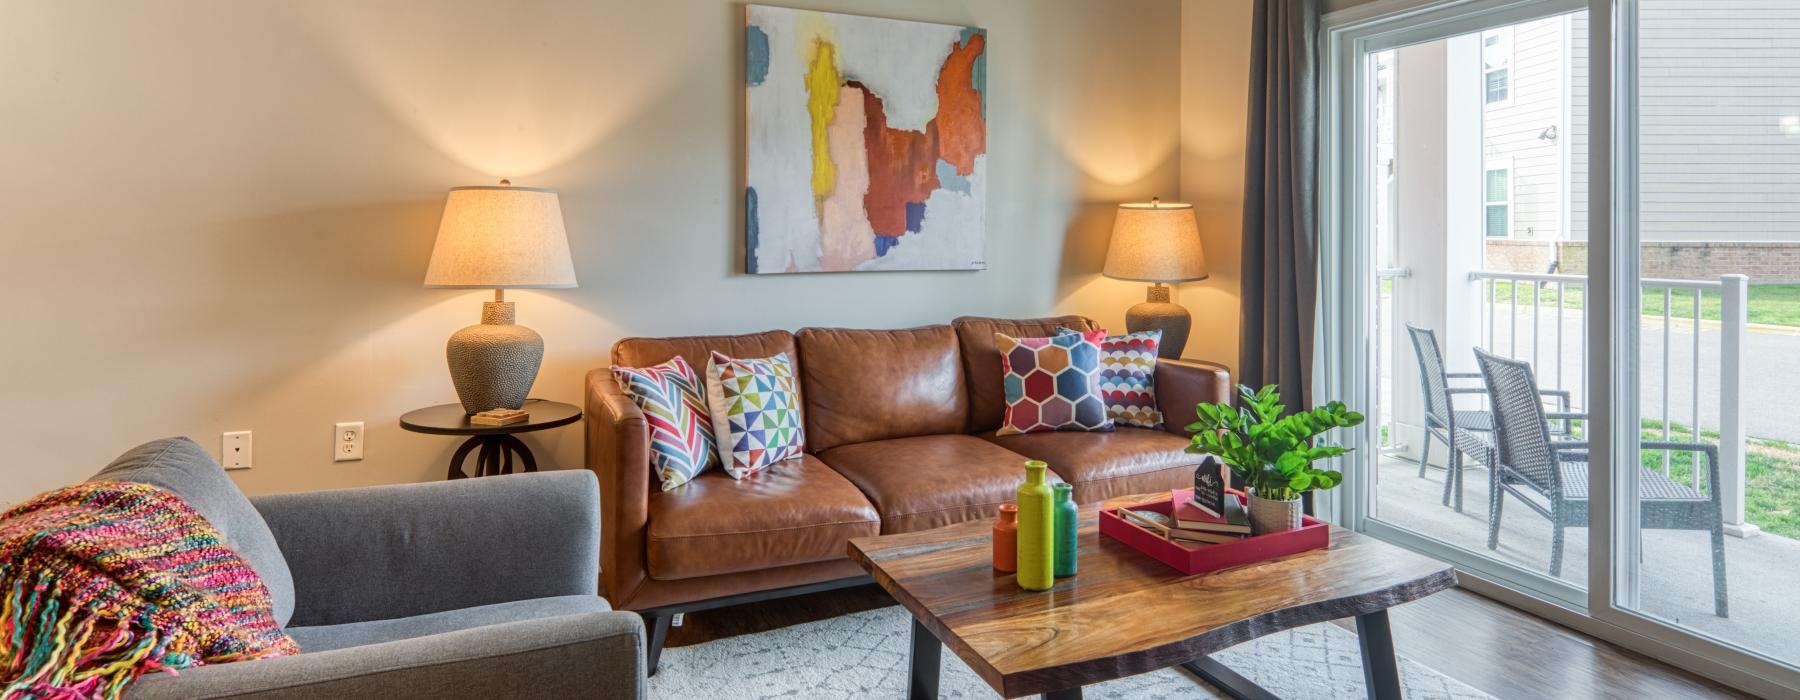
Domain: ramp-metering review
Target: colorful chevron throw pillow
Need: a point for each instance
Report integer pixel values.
(755, 411)
(1128, 377)
(1052, 383)
(681, 436)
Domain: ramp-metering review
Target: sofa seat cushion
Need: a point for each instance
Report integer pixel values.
(356, 634)
(793, 512)
(1124, 462)
(181, 467)
(918, 483)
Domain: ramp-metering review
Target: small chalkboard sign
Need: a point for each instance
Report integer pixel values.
(1209, 486)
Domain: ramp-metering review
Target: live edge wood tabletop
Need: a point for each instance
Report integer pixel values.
(1124, 613)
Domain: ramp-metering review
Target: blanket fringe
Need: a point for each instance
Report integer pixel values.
(55, 651)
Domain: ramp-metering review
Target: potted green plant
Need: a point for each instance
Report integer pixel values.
(1273, 454)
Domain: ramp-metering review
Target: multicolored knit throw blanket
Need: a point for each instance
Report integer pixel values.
(102, 582)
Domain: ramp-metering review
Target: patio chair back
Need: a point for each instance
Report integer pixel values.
(1431, 373)
(1521, 434)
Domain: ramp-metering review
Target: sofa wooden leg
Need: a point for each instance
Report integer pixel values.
(656, 625)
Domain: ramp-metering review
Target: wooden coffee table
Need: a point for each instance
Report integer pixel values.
(1124, 613)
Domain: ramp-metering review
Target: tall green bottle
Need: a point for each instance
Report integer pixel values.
(1037, 530)
(1067, 522)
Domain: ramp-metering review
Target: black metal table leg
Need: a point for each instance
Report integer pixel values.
(1226, 680)
(1381, 673)
(518, 447)
(927, 660)
(494, 454)
(462, 453)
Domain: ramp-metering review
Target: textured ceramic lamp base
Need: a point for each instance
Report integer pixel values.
(494, 364)
(1158, 314)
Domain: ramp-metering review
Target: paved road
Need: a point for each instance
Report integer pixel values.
(1771, 373)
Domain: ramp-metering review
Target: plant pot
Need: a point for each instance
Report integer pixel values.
(1267, 516)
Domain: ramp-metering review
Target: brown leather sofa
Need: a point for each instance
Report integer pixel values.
(899, 437)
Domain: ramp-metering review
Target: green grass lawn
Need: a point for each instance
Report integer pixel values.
(1771, 473)
(1776, 304)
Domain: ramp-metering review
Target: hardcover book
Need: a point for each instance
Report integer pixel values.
(1234, 519)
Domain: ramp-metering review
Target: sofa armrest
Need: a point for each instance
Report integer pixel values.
(618, 452)
(1183, 384)
(591, 655)
(422, 548)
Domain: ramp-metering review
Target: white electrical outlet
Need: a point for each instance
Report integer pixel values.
(347, 442)
(234, 449)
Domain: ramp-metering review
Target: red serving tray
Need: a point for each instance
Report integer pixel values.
(1197, 558)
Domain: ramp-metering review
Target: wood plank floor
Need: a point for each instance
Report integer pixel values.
(1496, 649)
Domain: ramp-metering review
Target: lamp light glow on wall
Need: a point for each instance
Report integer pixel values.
(498, 238)
(1157, 242)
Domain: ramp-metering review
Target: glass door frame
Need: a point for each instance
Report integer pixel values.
(1344, 359)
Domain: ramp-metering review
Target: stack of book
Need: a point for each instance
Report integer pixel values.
(1195, 522)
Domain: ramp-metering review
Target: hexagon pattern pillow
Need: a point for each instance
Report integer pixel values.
(1052, 383)
(681, 436)
(755, 411)
(1128, 377)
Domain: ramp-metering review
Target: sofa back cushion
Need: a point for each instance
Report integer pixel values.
(698, 349)
(864, 385)
(981, 360)
(179, 466)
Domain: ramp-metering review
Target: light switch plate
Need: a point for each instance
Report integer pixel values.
(347, 442)
(234, 449)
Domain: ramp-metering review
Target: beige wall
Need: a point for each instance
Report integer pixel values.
(216, 215)
(1215, 92)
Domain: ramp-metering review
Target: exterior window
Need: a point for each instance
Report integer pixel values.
(1496, 64)
(1498, 199)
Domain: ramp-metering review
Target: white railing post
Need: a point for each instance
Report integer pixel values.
(1733, 327)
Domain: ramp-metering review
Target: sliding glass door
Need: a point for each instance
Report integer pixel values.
(1468, 173)
(1708, 302)
(1560, 240)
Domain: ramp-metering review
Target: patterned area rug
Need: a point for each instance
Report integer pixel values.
(865, 656)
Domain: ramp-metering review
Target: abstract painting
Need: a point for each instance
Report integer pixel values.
(867, 144)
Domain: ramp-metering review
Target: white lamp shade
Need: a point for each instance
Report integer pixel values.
(1155, 242)
(501, 238)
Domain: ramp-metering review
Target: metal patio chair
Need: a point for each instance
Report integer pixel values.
(1527, 460)
(1461, 431)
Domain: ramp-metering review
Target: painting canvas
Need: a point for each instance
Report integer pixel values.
(867, 144)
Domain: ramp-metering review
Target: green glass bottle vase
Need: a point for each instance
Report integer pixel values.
(1068, 520)
(1037, 530)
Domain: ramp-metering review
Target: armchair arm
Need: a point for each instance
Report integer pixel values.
(591, 655)
(1462, 375)
(1710, 451)
(618, 452)
(396, 551)
(1183, 384)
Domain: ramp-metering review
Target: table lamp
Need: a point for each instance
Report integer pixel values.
(1158, 243)
(498, 238)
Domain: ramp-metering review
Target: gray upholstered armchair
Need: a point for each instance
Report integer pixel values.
(479, 588)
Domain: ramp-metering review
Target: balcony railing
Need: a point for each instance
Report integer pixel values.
(1502, 292)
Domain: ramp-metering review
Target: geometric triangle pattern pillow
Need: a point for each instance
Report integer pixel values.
(681, 436)
(1128, 377)
(755, 412)
(1052, 383)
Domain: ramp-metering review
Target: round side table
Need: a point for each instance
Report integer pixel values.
(496, 442)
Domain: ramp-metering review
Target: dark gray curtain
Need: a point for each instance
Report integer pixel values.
(1280, 274)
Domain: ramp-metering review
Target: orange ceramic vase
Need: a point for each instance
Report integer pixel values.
(1006, 539)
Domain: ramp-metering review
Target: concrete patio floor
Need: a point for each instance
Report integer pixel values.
(1676, 583)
